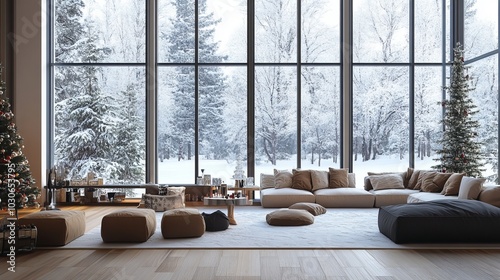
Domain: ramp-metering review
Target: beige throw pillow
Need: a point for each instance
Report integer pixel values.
(319, 179)
(490, 195)
(413, 181)
(470, 187)
(180, 191)
(338, 178)
(351, 177)
(301, 180)
(452, 185)
(266, 181)
(368, 185)
(434, 181)
(386, 181)
(282, 179)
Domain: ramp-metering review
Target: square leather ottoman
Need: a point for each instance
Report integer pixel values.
(183, 222)
(128, 225)
(56, 228)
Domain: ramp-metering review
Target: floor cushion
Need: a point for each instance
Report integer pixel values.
(181, 223)
(215, 221)
(312, 208)
(128, 225)
(56, 228)
(289, 217)
(444, 221)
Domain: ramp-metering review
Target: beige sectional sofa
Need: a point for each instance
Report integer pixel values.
(276, 192)
(380, 189)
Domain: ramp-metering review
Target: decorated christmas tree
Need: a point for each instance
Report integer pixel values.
(460, 150)
(15, 175)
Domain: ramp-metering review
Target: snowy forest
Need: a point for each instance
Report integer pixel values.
(99, 85)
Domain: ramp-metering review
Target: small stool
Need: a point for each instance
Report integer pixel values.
(128, 225)
(180, 223)
(56, 228)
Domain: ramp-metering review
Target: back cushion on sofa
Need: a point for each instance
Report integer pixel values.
(470, 187)
(386, 181)
(301, 179)
(266, 181)
(490, 195)
(338, 178)
(282, 179)
(368, 185)
(433, 181)
(319, 179)
(452, 185)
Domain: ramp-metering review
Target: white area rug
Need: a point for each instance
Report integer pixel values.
(337, 229)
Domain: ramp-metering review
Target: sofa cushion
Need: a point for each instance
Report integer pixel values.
(284, 197)
(266, 181)
(319, 179)
(301, 179)
(368, 185)
(470, 187)
(344, 197)
(351, 178)
(180, 191)
(152, 188)
(452, 185)
(490, 195)
(427, 196)
(391, 196)
(433, 181)
(413, 181)
(386, 181)
(282, 179)
(338, 178)
(312, 208)
(289, 217)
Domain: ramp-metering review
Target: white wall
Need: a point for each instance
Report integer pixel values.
(29, 83)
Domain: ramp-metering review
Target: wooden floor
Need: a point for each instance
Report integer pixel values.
(249, 264)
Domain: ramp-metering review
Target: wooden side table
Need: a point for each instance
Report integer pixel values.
(230, 202)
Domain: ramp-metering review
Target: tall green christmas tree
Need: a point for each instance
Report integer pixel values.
(460, 150)
(15, 175)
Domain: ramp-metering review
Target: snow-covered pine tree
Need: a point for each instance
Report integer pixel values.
(213, 143)
(460, 150)
(129, 145)
(211, 83)
(15, 171)
(83, 145)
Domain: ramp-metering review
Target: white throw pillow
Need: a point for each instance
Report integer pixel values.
(386, 181)
(470, 187)
(266, 181)
(319, 179)
(351, 177)
(282, 179)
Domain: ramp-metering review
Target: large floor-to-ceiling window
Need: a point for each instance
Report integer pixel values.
(165, 91)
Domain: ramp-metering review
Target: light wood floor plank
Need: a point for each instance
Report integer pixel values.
(249, 264)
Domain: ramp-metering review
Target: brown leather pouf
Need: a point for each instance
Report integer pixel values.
(183, 222)
(56, 228)
(128, 225)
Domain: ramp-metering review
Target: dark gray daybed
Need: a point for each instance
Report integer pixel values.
(443, 221)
